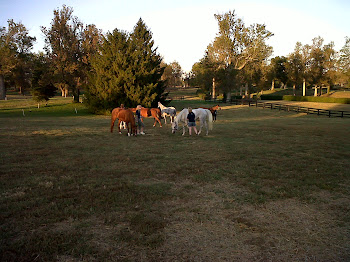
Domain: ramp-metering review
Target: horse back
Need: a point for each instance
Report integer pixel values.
(126, 115)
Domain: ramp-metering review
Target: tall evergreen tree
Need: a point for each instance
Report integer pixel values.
(110, 73)
(126, 70)
(146, 88)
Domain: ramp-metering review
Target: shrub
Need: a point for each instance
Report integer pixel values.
(271, 97)
(317, 99)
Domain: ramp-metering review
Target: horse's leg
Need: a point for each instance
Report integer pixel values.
(158, 120)
(206, 126)
(119, 126)
(200, 126)
(127, 124)
(114, 117)
(164, 115)
(183, 129)
(122, 125)
(160, 123)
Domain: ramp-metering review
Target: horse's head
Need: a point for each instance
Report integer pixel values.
(174, 127)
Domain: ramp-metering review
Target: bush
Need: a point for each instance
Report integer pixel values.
(317, 99)
(271, 97)
(203, 95)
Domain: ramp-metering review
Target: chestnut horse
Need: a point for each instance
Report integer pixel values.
(150, 112)
(125, 115)
(213, 110)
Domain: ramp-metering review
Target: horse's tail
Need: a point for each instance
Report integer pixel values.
(210, 116)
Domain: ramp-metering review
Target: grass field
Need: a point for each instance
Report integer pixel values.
(262, 186)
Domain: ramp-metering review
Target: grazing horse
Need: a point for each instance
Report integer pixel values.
(150, 112)
(213, 110)
(125, 115)
(167, 111)
(202, 114)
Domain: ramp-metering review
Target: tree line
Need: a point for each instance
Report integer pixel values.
(238, 59)
(125, 67)
(112, 68)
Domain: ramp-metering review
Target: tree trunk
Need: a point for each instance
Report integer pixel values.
(214, 89)
(294, 90)
(64, 90)
(316, 91)
(273, 85)
(2, 88)
(246, 93)
(304, 87)
(228, 96)
(76, 95)
(241, 91)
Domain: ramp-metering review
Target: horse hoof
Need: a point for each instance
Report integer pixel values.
(128, 134)
(120, 133)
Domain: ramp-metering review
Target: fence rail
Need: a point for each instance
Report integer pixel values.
(294, 108)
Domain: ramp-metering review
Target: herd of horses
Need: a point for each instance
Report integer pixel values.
(206, 116)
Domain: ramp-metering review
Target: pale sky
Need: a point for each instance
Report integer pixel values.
(182, 29)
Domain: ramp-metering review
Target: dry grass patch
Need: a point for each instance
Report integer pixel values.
(262, 186)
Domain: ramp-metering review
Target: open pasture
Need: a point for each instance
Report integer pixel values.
(262, 186)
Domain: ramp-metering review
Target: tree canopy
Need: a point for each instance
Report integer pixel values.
(126, 70)
(15, 57)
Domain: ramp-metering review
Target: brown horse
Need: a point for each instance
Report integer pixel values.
(213, 110)
(125, 115)
(150, 112)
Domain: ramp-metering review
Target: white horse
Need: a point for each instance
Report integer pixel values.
(204, 115)
(167, 111)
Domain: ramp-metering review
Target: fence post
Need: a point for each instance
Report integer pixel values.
(329, 113)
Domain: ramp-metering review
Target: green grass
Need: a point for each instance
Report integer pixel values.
(263, 184)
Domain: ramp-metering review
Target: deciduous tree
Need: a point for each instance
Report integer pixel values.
(237, 45)
(42, 82)
(344, 60)
(15, 57)
(64, 46)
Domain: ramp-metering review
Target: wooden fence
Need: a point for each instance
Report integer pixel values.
(294, 108)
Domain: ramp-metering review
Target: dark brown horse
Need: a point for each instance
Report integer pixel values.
(213, 110)
(150, 112)
(125, 115)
